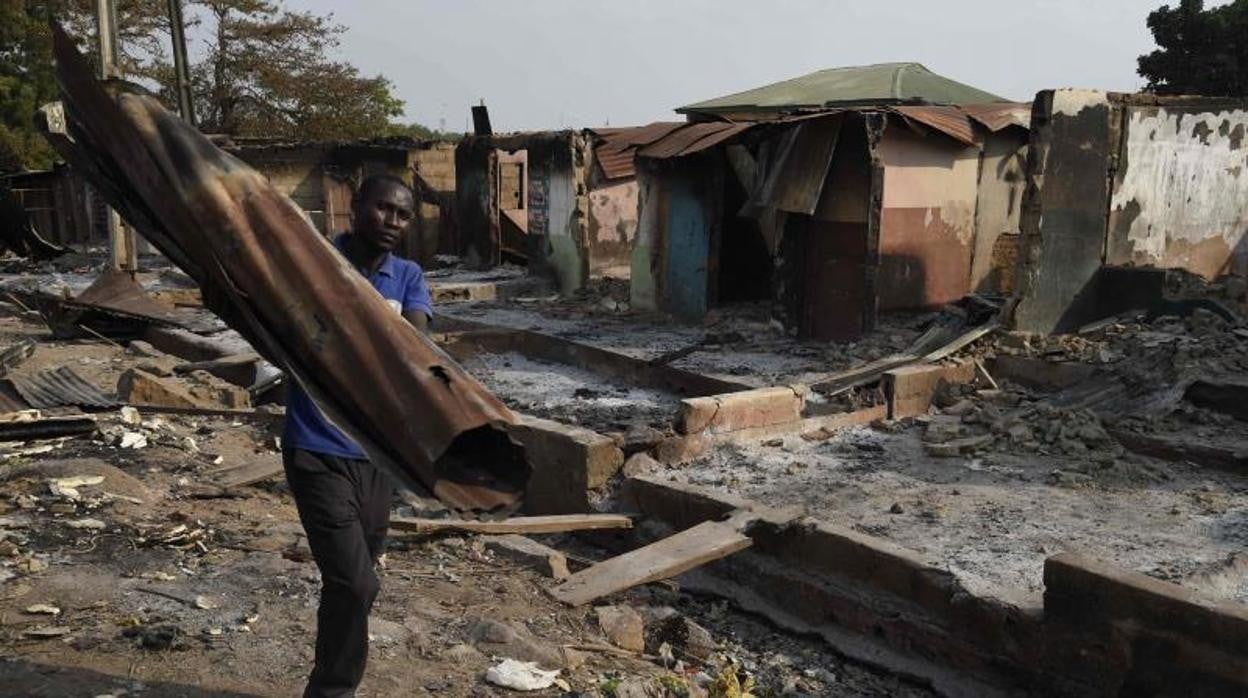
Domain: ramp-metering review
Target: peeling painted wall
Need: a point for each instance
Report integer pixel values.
(1180, 196)
(927, 221)
(1002, 174)
(612, 228)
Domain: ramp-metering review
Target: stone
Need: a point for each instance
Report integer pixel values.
(383, 633)
(622, 626)
(139, 387)
(687, 639)
(640, 438)
(463, 654)
(215, 390)
(530, 553)
(678, 450)
(144, 349)
(957, 447)
(503, 640)
(940, 431)
(639, 464)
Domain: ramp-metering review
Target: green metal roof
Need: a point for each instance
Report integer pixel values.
(883, 83)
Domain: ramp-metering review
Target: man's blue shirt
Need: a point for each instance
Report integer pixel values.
(402, 283)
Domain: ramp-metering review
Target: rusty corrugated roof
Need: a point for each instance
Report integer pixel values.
(692, 138)
(616, 147)
(951, 121)
(270, 275)
(996, 117)
(59, 387)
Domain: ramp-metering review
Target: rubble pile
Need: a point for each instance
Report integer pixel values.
(974, 422)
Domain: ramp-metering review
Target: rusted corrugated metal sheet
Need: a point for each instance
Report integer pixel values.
(616, 163)
(996, 117)
(282, 285)
(59, 387)
(691, 139)
(616, 147)
(951, 121)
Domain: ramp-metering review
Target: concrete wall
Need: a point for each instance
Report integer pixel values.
(612, 227)
(643, 289)
(1127, 180)
(1180, 194)
(558, 208)
(1002, 179)
(1063, 222)
(927, 223)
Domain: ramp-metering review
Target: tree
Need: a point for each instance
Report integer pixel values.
(27, 80)
(267, 72)
(1201, 51)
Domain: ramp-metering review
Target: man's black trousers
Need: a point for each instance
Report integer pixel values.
(344, 505)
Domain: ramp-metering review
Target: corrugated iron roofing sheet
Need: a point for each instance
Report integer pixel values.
(282, 285)
(692, 138)
(995, 117)
(951, 121)
(59, 387)
(617, 146)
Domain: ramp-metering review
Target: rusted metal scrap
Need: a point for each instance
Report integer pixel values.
(279, 283)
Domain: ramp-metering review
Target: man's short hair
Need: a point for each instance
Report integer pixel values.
(373, 181)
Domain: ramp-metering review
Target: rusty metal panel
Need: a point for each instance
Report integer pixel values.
(797, 172)
(951, 121)
(59, 387)
(283, 286)
(999, 116)
(616, 162)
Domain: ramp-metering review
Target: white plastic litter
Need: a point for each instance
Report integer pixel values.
(520, 676)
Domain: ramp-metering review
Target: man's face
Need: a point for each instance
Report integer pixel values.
(382, 214)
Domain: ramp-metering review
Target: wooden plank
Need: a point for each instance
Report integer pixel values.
(674, 555)
(250, 474)
(520, 524)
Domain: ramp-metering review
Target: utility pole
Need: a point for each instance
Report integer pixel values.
(180, 69)
(123, 252)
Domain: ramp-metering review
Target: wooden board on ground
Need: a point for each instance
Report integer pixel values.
(518, 524)
(693, 547)
(243, 475)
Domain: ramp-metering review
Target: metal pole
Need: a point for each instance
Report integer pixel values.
(123, 252)
(180, 64)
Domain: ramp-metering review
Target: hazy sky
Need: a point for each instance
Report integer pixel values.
(544, 64)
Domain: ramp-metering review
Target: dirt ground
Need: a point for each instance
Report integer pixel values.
(184, 592)
(149, 581)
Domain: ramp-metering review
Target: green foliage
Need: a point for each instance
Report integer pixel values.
(423, 133)
(1201, 51)
(264, 71)
(26, 82)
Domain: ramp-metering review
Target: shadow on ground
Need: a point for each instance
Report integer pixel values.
(20, 677)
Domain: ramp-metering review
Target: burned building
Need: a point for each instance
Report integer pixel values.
(563, 202)
(847, 193)
(320, 177)
(1128, 181)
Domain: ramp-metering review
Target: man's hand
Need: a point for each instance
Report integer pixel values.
(418, 319)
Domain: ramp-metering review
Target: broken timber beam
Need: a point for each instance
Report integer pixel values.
(669, 557)
(519, 524)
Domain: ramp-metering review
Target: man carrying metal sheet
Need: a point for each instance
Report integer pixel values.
(343, 500)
